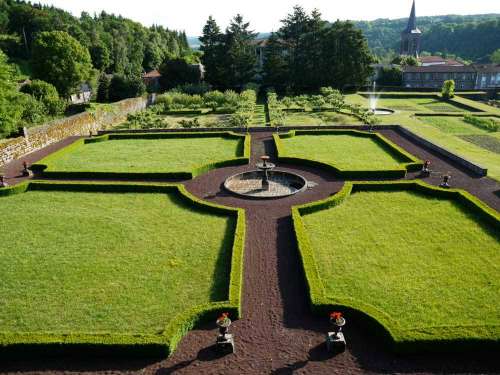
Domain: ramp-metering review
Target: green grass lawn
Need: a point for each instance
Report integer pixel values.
(125, 263)
(145, 155)
(442, 135)
(320, 118)
(452, 125)
(346, 152)
(426, 265)
(259, 116)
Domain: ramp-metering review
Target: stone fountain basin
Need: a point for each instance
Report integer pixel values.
(281, 184)
(382, 111)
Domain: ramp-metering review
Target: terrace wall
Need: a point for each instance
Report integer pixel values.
(77, 125)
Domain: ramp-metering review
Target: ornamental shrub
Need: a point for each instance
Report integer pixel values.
(490, 125)
(47, 95)
(448, 90)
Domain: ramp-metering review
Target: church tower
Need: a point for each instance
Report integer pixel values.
(410, 37)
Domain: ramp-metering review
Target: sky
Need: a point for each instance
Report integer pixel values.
(264, 15)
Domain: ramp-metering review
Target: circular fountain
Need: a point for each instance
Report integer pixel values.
(381, 111)
(265, 182)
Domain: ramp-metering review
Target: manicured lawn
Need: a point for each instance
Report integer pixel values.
(452, 125)
(145, 155)
(320, 118)
(427, 266)
(126, 263)
(346, 152)
(259, 116)
(472, 151)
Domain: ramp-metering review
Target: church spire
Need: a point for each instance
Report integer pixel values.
(412, 21)
(410, 37)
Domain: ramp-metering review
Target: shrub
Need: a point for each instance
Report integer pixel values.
(448, 90)
(483, 123)
(194, 88)
(47, 95)
(33, 111)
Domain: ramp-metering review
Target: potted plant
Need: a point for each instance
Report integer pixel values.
(337, 321)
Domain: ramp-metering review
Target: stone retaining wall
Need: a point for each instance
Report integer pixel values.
(77, 125)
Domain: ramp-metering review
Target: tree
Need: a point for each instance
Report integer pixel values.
(448, 90)
(405, 61)
(46, 94)
(103, 89)
(239, 62)
(101, 57)
(213, 53)
(176, 72)
(495, 57)
(276, 66)
(11, 105)
(123, 87)
(61, 60)
(346, 58)
(390, 77)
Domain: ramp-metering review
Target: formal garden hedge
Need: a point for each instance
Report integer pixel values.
(432, 339)
(243, 150)
(411, 164)
(45, 343)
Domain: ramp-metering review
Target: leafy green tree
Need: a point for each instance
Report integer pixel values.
(390, 77)
(101, 57)
(405, 61)
(448, 90)
(123, 87)
(495, 57)
(103, 88)
(46, 94)
(61, 60)
(176, 72)
(11, 102)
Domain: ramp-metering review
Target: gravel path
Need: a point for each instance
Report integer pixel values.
(278, 334)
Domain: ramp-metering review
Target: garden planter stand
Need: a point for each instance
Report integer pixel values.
(335, 341)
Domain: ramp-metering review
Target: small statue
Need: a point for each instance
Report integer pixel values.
(26, 172)
(446, 181)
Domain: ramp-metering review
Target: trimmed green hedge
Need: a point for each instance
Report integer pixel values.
(378, 322)
(243, 151)
(39, 343)
(413, 163)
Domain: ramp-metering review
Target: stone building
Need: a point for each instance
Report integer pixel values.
(410, 37)
(466, 77)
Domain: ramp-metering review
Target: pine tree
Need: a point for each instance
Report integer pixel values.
(240, 60)
(212, 48)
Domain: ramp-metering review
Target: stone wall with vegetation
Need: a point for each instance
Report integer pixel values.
(77, 125)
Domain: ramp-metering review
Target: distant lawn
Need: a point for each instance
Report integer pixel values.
(452, 125)
(447, 135)
(427, 267)
(163, 155)
(488, 142)
(424, 104)
(118, 263)
(320, 118)
(346, 152)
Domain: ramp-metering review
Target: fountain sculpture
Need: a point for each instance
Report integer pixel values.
(265, 182)
(373, 98)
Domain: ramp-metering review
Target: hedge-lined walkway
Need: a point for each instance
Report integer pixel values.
(278, 334)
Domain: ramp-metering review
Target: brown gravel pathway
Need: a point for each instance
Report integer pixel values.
(278, 334)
